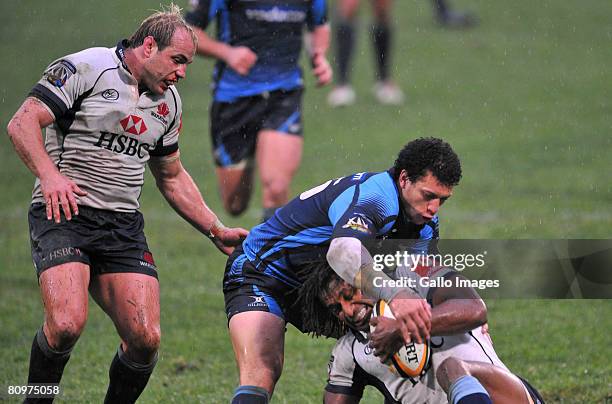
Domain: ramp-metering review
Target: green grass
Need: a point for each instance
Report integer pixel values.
(524, 99)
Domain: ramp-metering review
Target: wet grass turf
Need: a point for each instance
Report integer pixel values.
(524, 99)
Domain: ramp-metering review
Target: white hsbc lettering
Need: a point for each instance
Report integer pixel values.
(276, 15)
(122, 144)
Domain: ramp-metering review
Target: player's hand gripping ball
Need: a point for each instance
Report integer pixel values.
(412, 360)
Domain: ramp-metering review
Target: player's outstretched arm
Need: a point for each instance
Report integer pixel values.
(183, 195)
(353, 263)
(456, 310)
(25, 131)
(239, 58)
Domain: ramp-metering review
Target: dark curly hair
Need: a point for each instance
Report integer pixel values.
(429, 154)
(317, 319)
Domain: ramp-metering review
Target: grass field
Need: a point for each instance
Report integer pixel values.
(525, 99)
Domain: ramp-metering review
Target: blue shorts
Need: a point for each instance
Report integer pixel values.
(247, 289)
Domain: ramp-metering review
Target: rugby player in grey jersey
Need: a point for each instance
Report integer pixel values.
(464, 367)
(107, 112)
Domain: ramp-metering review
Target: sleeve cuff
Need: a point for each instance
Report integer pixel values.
(353, 391)
(55, 104)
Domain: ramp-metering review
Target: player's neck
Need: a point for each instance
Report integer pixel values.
(133, 63)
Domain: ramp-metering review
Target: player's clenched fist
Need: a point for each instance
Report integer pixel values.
(241, 59)
(321, 69)
(226, 238)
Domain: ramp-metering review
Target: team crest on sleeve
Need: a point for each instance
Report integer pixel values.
(59, 73)
(357, 223)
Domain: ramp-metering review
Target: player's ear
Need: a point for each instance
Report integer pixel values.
(403, 179)
(149, 46)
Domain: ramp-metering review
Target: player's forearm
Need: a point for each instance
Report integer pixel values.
(320, 40)
(344, 256)
(210, 47)
(25, 132)
(183, 195)
(457, 316)
(353, 263)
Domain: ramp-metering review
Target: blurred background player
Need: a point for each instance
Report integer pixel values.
(464, 366)
(384, 90)
(257, 91)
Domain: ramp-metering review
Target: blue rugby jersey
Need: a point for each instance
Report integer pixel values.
(270, 28)
(363, 205)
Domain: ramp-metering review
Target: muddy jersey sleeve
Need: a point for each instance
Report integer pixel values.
(63, 83)
(344, 375)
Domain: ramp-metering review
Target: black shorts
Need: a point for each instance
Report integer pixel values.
(108, 242)
(234, 125)
(247, 289)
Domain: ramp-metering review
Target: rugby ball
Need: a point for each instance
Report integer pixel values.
(413, 359)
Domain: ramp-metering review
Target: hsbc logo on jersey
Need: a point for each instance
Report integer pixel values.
(133, 124)
(119, 143)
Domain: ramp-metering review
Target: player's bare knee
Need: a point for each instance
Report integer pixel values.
(64, 331)
(266, 374)
(276, 191)
(276, 369)
(265, 368)
(142, 343)
(450, 370)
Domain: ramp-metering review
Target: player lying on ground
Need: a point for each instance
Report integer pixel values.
(463, 366)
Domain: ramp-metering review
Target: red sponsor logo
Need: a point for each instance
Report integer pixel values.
(148, 257)
(427, 270)
(133, 124)
(162, 109)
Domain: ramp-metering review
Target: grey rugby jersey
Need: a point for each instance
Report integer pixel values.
(353, 365)
(104, 130)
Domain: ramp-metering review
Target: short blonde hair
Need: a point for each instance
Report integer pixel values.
(161, 26)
